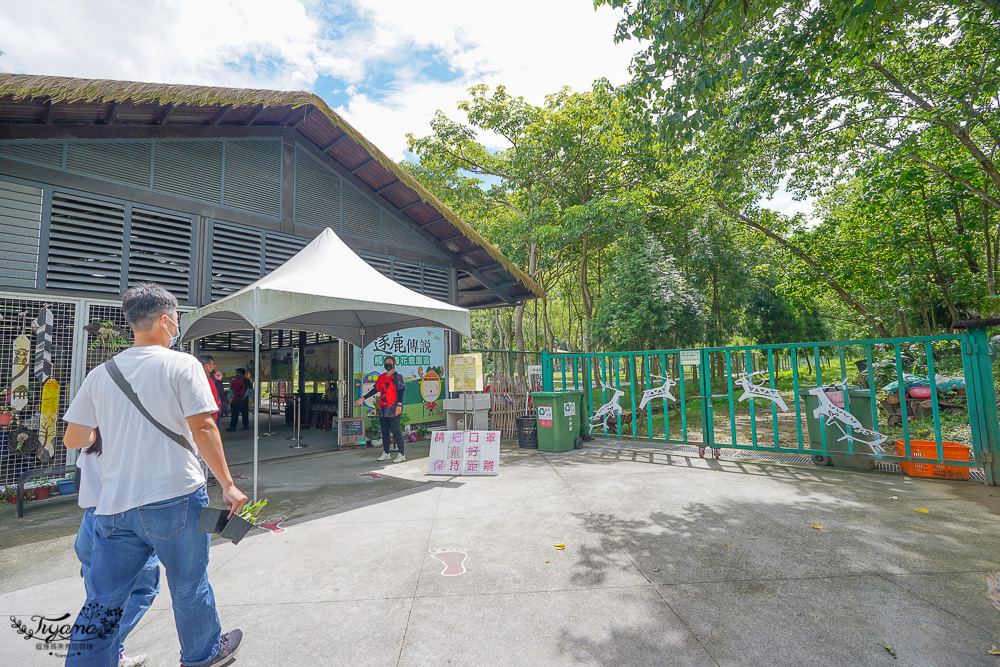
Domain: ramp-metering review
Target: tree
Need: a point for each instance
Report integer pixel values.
(555, 186)
(747, 94)
(648, 304)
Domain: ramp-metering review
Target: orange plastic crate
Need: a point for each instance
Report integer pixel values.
(927, 449)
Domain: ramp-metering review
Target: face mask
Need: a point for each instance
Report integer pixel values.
(387, 366)
(173, 337)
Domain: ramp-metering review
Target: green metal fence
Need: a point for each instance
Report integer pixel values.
(737, 398)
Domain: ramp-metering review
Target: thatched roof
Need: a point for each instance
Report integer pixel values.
(102, 101)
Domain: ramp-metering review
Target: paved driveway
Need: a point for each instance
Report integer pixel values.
(668, 560)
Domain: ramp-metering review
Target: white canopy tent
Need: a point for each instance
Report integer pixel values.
(325, 288)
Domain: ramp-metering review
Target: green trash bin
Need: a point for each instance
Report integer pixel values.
(860, 407)
(558, 414)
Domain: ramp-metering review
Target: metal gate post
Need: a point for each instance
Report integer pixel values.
(547, 371)
(705, 383)
(982, 399)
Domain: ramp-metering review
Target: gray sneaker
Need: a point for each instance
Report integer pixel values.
(228, 646)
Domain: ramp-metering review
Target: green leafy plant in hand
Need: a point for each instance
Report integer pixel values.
(250, 512)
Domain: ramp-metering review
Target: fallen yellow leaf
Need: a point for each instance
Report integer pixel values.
(560, 547)
(818, 527)
(923, 511)
(994, 651)
(893, 497)
(728, 547)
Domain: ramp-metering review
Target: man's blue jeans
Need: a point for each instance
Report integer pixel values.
(144, 590)
(123, 544)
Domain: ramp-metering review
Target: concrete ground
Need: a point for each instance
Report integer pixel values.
(669, 560)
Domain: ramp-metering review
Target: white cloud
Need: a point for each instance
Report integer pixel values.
(532, 47)
(212, 42)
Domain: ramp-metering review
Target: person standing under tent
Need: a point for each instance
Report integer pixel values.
(240, 405)
(208, 363)
(390, 387)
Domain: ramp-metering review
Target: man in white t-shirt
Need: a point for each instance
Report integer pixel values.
(152, 488)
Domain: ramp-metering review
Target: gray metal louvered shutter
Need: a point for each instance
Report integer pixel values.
(253, 176)
(49, 154)
(191, 169)
(361, 215)
(123, 162)
(279, 248)
(235, 258)
(408, 275)
(20, 224)
(396, 233)
(317, 192)
(382, 264)
(85, 244)
(160, 250)
(437, 283)
(428, 247)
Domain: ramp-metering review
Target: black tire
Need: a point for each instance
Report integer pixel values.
(822, 460)
(578, 443)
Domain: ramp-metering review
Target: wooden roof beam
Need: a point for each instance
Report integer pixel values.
(220, 114)
(49, 112)
(386, 187)
(450, 238)
(411, 205)
(363, 164)
(287, 120)
(333, 143)
(112, 114)
(492, 267)
(254, 115)
(165, 114)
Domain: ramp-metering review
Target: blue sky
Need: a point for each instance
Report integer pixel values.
(385, 65)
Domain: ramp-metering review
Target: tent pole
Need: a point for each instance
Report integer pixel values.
(256, 404)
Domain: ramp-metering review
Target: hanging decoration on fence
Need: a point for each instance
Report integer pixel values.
(841, 418)
(48, 420)
(751, 390)
(663, 391)
(25, 440)
(19, 393)
(612, 410)
(43, 344)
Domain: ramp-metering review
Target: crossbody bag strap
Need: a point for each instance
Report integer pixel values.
(126, 388)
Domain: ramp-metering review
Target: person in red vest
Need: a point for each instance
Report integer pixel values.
(240, 405)
(208, 362)
(390, 388)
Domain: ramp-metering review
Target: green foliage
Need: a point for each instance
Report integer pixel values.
(648, 304)
(250, 512)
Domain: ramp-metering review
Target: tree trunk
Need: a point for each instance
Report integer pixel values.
(586, 300)
(990, 265)
(519, 310)
(550, 337)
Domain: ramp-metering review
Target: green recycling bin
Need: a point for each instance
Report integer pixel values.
(559, 418)
(860, 407)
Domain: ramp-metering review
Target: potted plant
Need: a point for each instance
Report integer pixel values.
(216, 520)
(241, 523)
(373, 431)
(66, 485)
(43, 488)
